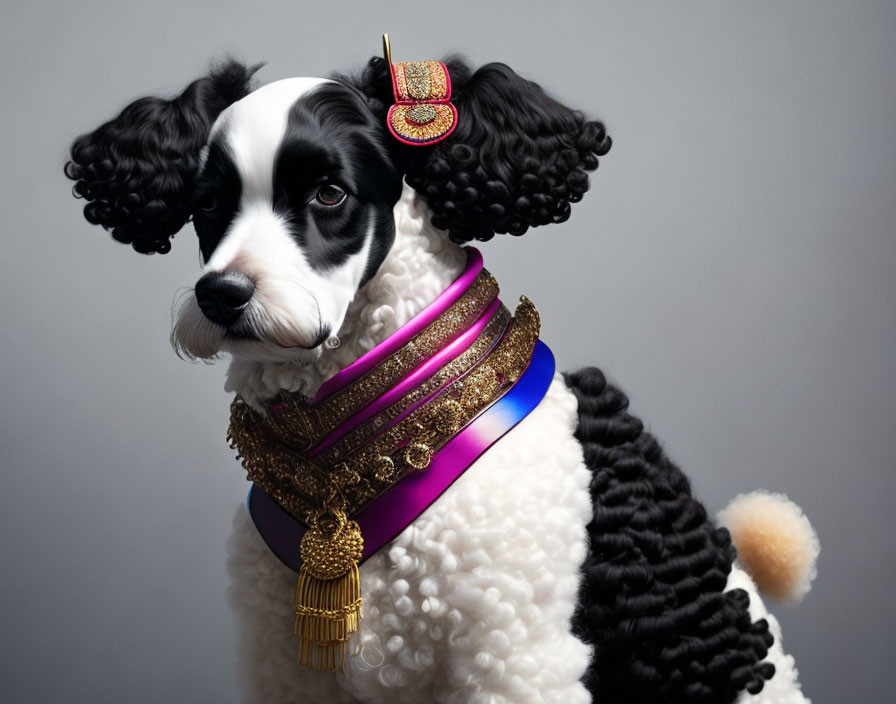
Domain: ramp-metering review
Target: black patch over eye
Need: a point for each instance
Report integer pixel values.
(215, 199)
(330, 194)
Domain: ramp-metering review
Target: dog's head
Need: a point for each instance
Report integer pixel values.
(291, 189)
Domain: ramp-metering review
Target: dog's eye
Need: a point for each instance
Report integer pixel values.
(207, 203)
(330, 194)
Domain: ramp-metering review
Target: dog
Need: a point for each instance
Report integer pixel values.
(570, 562)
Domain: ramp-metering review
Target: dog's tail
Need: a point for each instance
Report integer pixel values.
(775, 543)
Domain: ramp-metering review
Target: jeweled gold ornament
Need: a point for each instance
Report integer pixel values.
(448, 416)
(480, 386)
(418, 455)
(384, 470)
(328, 593)
(423, 112)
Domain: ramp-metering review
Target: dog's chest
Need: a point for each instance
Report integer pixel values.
(476, 594)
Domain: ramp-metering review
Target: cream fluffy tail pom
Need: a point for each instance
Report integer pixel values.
(775, 543)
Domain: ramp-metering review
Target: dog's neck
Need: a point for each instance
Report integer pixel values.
(420, 265)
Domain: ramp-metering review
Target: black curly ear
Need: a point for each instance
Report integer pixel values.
(516, 160)
(136, 171)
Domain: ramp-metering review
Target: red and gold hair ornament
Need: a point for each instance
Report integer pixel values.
(422, 113)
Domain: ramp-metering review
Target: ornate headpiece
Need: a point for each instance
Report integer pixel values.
(422, 113)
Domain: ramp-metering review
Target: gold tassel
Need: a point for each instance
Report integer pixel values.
(328, 594)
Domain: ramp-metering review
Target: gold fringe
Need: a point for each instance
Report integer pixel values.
(327, 613)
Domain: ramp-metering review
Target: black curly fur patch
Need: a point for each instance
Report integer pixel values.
(136, 171)
(652, 600)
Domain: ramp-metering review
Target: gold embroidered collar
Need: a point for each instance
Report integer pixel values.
(386, 417)
(291, 452)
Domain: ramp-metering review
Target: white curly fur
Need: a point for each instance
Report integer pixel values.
(784, 687)
(471, 603)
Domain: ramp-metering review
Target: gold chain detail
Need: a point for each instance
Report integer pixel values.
(333, 614)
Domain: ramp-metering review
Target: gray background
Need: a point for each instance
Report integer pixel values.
(732, 269)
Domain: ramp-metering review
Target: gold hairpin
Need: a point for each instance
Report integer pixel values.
(387, 49)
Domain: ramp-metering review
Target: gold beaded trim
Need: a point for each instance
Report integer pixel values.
(301, 485)
(420, 80)
(407, 121)
(422, 114)
(298, 424)
(486, 340)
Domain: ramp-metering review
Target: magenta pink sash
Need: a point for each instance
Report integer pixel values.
(382, 520)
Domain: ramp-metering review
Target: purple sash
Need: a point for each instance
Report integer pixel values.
(383, 519)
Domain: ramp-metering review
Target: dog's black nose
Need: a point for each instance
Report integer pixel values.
(222, 296)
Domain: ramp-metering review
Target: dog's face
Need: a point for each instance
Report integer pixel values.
(293, 209)
(291, 189)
